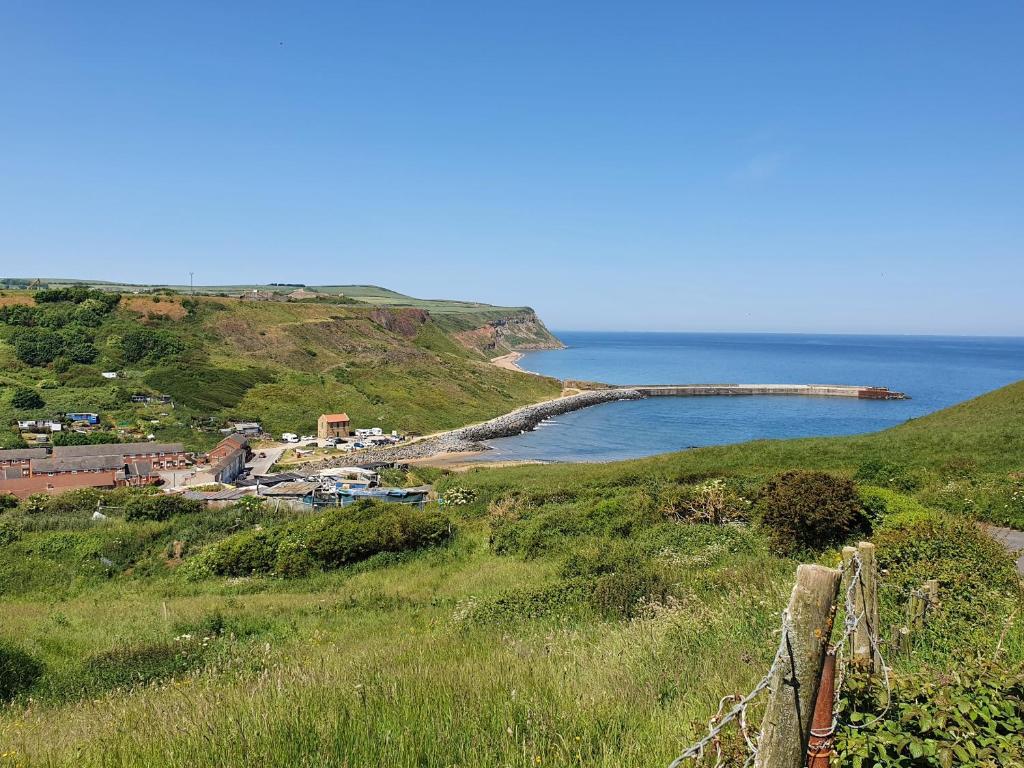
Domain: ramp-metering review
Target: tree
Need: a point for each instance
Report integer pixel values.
(37, 346)
(26, 399)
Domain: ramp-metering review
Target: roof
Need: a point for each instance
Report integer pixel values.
(298, 488)
(225, 494)
(267, 480)
(116, 449)
(335, 417)
(20, 454)
(234, 441)
(76, 464)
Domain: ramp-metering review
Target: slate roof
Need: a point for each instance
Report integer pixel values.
(116, 449)
(20, 454)
(76, 464)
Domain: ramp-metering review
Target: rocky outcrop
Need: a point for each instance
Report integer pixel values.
(517, 332)
(401, 320)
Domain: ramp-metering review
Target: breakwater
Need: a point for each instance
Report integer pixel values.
(807, 390)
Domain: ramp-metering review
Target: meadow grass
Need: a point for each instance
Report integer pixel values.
(497, 648)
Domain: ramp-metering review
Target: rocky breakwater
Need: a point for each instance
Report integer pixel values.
(471, 438)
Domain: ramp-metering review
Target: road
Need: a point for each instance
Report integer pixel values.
(1012, 540)
(262, 466)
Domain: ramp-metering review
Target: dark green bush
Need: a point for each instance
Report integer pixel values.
(349, 534)
(805, 510)
(8, 501)
(244, 554)
(332, 539)
(26, 399)
(18, 671)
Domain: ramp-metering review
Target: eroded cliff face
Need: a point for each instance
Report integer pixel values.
(510, 333)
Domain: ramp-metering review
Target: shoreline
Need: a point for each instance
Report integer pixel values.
(470, 439)
(510, 362)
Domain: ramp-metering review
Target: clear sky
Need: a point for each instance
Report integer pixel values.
(766, 166)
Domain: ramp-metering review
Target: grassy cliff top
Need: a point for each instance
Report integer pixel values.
(281, 363)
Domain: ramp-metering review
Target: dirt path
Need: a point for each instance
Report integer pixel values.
(1012, 540)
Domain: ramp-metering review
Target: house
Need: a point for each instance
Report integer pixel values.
(248, 428)
(161, 455)
(227, 459)
(40, 425)
(19, 459)
(332, 425)
(50, 475)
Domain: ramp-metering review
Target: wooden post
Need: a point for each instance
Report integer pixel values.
(793, 689)
(865, 637)
(931, 590)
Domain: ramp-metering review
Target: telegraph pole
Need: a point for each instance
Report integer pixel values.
(191, 287)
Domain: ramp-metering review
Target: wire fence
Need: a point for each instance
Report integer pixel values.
(854, 573)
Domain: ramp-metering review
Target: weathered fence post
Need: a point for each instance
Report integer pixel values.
(793, 689)
(865, 638)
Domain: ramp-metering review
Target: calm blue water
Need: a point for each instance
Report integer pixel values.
(935, 371)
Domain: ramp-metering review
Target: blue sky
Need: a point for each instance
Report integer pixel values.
(655, 165)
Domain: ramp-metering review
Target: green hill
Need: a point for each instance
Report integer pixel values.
(547, 615)
(281, 362)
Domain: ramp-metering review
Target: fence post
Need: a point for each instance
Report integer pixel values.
(865, 638)
(793, 689)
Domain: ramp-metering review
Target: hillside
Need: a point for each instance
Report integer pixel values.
(546, 615)
(278, 362)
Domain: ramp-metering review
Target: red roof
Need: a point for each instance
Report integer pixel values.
(335, 416)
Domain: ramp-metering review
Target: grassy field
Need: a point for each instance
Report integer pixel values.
(566, 618)
(279, 363)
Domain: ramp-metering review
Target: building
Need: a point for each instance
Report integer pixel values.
(16, 462)
(332, 425)
(248, 428)
(88, 418)
(227, 459)
(49, 475)
(160, 455)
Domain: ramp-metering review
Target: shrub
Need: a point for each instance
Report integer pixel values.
(968, 714)
(711, 502)
(18, 671)
(26, 399)
(333, 539)
(805, 510)
(244, 554)
(7, 501)
(160, 507)
(354, 533)
(458, 496)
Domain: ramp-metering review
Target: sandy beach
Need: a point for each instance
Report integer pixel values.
(510, 362)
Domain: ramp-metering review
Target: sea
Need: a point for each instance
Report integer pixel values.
(935, 371)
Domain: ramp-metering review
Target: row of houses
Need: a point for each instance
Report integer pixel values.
(24, 471)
